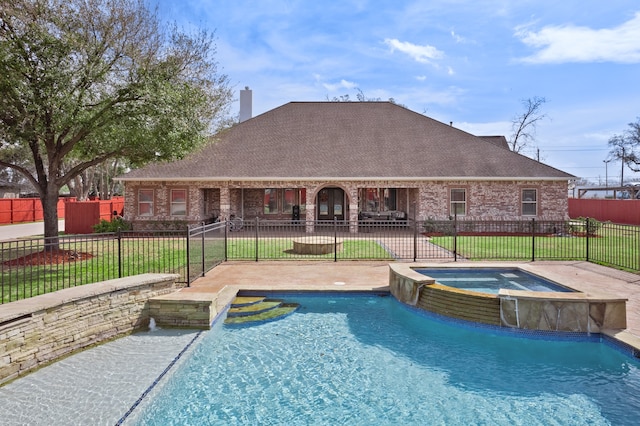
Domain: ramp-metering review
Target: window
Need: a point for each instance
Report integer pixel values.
(378, 199)
(302, 199)
(288, 200)
(529, 202)
(458, 202)
(178, 202)
(389, 199)
(145, 202)
(270, 201)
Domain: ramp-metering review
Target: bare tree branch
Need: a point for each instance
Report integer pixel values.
(524, 125)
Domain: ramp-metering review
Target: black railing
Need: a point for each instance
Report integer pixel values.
(528, 240)
(35, 266)
(29, 267)
(206, 248)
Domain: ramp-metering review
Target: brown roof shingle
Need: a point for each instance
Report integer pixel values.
(348, 140)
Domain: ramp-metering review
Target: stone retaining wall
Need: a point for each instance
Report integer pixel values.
(41, 329)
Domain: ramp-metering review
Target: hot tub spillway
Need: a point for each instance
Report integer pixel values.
(252, 310)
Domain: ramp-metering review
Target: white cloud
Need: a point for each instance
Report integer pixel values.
(343, 84)
(569, 43)
(421, 77)
(424, 54)
(456, 37)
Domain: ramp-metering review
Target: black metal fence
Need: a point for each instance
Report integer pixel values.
(528, 240)
(36, 266)
(29, 267)
(206, 248)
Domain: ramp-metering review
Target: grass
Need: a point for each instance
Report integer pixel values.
(282, 249)
(137, 256)
(617, 246)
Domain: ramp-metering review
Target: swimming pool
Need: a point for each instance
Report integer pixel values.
(491, 280)
(370, 360)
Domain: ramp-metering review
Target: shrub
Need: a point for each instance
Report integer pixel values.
(588, 226)
(116, 224)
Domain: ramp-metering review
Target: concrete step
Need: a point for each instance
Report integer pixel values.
(262, 316)
(253, 308)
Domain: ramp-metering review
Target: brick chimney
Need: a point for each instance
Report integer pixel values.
(245, 104)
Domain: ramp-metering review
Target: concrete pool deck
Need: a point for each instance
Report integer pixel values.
(228, 278)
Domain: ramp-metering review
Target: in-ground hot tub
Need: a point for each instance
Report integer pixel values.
(516, 308)
(491, 280)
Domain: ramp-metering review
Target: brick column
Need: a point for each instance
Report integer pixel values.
(310, 209)
(225, 203)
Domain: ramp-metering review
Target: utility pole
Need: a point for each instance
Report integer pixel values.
(606, 172)
(622, 169)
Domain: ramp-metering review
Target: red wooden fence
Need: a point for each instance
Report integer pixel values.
(616, 211)
(82, 215)
(20, 210)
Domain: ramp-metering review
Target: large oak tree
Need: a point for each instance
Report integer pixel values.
(83, 81)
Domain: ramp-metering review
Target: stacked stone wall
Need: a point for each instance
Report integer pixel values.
(41, 329)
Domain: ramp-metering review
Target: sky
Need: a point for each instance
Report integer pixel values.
(470, 62)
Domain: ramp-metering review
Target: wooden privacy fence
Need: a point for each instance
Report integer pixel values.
(82, 215)
(617, 211)
(20, 210)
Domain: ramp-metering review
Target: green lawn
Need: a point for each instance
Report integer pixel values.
(137, 256)
(282, 249)
(616, 245)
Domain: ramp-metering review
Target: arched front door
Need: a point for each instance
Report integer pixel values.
(331, 204)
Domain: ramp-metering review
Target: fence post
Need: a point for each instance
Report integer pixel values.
(455, 236)
(587, 231)
(257, 242)
(335, 239)
(203, 262)
(533, 239)
(119, 236)
(188, 257)
(415, 239)
(226, 235)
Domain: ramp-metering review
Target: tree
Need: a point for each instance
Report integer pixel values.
(360, 97)
(83, 81)
(524, 125)
(626, 147)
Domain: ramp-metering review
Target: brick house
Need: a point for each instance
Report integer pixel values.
(348, 161)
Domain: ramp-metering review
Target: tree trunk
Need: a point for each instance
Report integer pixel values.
(50, 210)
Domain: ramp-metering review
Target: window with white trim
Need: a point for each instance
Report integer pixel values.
(458, 201)
(529, 202)
(178, 202)
(145, 202)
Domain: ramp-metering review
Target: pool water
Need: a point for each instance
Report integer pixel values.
(485, 280)
(362, 360)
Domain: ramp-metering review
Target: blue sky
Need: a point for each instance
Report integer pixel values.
(467, 62)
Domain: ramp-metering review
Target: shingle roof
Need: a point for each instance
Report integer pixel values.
(348, 140)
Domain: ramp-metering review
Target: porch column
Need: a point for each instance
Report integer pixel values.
(310, 209)
(354, 203)
(196, 208)
(225, 203)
